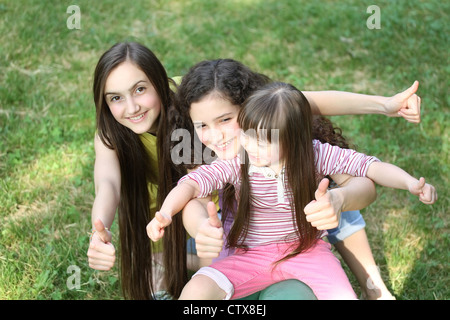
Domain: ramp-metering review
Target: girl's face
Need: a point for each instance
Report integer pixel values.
(132, 99)
(262, 153)
(215, 121)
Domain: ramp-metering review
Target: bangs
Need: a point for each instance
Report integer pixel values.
(262, 118)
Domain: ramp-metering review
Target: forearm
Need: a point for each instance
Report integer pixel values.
(334, 103)
(179, 197)
(354, 193)
(389, 175)
(105, 204)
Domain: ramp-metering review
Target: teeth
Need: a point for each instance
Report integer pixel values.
(225, 144)
(137, 118)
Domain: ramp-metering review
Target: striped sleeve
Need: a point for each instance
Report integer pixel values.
(215, 176)
(333, 160)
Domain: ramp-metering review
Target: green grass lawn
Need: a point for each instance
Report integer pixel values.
(47, 118)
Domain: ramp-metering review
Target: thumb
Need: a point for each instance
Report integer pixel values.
(101, 230)
(417, 187)
(322, 188)
(420, 184)
(213, 216)
(410, 91)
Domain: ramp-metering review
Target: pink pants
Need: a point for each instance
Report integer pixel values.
(246, 272)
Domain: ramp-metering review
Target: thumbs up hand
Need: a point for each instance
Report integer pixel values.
(101, 253)
(209, 238)
(155, 228)
(405, 104)
(321, 212)
(426, 192)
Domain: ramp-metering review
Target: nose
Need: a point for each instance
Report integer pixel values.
(132, 106)
(214, 136)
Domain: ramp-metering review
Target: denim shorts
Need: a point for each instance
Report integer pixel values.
(190, 246)
(349, 223)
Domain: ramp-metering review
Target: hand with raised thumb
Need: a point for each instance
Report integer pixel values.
(426, 192)
(405, 104)
(155, 228)
(209, 238)
(322, 212)
(101, 231)
(101, 253)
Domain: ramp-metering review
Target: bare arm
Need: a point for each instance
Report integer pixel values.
(355, 193)
(107, 184)
(391, 176)
(101, 252)
(405, 104)
(175, 201)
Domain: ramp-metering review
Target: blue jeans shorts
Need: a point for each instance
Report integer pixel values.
(349, 223)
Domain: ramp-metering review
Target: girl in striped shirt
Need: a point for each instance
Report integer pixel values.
(273, 239)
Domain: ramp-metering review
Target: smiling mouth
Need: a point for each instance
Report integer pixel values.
(138, 117)
(224, 145)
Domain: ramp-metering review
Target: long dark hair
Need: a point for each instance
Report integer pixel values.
(281, 107)
(137, 173)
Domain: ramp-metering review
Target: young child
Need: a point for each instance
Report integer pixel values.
(273, 239)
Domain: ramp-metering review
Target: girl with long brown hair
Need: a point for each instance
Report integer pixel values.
(275, 178)
(133, 170)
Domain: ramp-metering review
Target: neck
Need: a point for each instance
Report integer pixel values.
(277, 166)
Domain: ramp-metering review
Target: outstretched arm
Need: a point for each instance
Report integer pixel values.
(391, 176)
(405, 104)
(174, 202)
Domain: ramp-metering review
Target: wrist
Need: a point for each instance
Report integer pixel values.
(379, 105)
(167, 213)
(94, 231)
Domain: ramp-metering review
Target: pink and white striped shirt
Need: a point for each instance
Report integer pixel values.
(271, 217)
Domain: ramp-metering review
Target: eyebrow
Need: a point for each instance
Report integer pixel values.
(223, 115)
(197, 122)
(131, 88)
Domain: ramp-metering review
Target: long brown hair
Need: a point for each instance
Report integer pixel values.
(281, 107)
(136, 173)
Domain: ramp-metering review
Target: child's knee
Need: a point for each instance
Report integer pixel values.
(202, 287)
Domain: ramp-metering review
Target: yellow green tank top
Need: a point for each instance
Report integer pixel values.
(149, 142)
